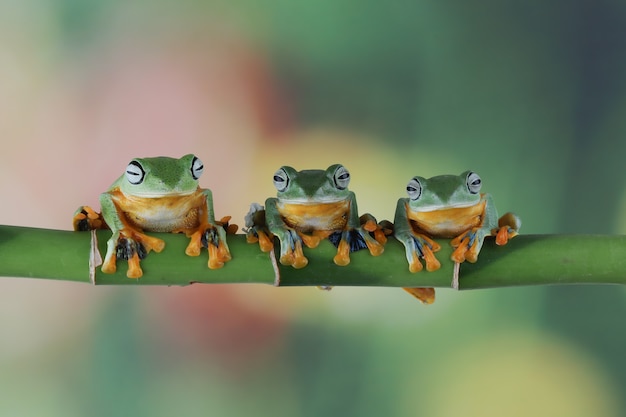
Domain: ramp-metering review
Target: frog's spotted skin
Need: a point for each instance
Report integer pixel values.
(158, 194)
(312, 205)
(448, 206)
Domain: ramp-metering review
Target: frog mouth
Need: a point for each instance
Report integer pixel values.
(440, 207)
(312, 202)
(163, 194)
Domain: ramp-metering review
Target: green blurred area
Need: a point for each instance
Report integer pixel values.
(532, 95)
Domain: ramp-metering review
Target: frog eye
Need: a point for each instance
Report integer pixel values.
(341, 177)
(135, 173)
(196, 168)
(281, 180)
(473, 183)
(414, 189)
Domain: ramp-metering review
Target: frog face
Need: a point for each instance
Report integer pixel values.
(312, 186)
(444, 191)
(161, 176)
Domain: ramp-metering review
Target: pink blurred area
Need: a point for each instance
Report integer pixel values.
(74, 121)
(89, 115)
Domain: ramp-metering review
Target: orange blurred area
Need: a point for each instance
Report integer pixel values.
(389, 91)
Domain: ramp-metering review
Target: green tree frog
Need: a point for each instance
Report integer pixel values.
(449, 206)
(158, 194)
(312, 205)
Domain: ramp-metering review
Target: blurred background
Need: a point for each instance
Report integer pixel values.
(530, 95)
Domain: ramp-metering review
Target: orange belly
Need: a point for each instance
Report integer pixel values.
(164, 214)
(447, 223)
(319, 216)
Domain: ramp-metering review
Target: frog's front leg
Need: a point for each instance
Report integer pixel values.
(417, 245)
(209, 234)
(469, 243)
(127, 242)
(86, 218)
(508, 227)
(356, 235)
(291, 252)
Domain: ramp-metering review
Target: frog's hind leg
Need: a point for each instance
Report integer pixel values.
(425, 295)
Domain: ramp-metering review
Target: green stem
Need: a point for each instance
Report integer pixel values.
(525, 260)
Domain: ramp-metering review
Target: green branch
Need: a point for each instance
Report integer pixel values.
(526, 260)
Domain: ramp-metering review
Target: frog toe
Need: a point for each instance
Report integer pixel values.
(287, 259)
(134, 270)
(215, 261)
(502, 236)
(151, 243)
(432, 263)
(342, 258)
(311, 241)
(265, 242)
(414, 264)
(471, 256)
(299, 260)
(109, 266)
(425, 295)
(458, 255)
(195, 244)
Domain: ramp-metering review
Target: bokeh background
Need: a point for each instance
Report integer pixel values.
(531, 95)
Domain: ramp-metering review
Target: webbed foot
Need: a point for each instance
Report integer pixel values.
(418, 246)
(212, 237)
(131, 246)
(508, 227)
(467, 245)
(351, 241)
(86, 218)
(291, 249)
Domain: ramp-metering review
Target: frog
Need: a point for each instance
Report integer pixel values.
(157, 194)
(312, 205)
(451, 207)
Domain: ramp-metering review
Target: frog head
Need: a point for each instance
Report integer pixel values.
(312, 185)
(161, 176)
(444, 191)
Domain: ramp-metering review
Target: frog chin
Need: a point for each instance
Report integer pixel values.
(312, 201)
(437, 207)
(160, 194)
